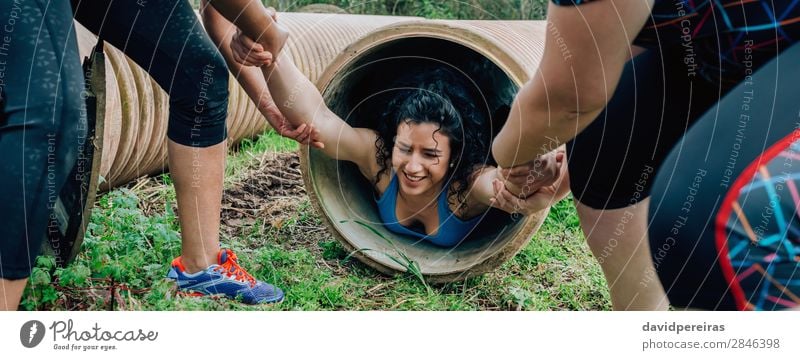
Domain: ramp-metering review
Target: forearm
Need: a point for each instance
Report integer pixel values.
(538, 125)
(296, 97)
(570, 89)
(249, 15)
(252, 81)
(301, 103)
(562, 184)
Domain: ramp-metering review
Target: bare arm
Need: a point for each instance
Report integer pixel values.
(570, 88)
(543, 182)
(526, 179)
(221, 30)
(300, 102)
(488, 191)
(479, 197)
(252, 18)
(251, 78)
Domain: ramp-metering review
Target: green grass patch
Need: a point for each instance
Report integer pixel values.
(249, 151)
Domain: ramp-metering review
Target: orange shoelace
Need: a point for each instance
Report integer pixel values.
(231, 267)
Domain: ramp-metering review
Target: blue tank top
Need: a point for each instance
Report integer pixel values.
(451, 229)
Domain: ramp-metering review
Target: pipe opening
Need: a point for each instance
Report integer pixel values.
(346, 197)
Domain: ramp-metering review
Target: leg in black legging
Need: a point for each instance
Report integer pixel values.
(41, 128)
(166, 39)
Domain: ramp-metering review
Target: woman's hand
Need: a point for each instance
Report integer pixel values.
(528, 178)
(551, 185)
(508, 202)
(248, 52)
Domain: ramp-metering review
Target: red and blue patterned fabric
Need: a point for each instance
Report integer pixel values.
(716, 36)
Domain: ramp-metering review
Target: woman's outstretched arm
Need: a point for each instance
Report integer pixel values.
(301, 103)
(481, 192)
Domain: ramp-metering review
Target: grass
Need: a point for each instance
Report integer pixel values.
(127, 251)
(252, 150)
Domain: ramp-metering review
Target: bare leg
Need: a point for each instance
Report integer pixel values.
(11, 293)
(618, 239)
(197, 174)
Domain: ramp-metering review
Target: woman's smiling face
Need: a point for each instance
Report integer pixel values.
(420, 157)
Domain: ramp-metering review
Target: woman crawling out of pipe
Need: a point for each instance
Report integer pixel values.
(427, 159)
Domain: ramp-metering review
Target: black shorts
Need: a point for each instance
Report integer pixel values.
(166, 39)
(613, 162)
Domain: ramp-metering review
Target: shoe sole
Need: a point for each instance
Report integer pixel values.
(199, 294)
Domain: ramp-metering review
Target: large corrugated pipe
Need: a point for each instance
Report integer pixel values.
(499, 56)
(137, 110)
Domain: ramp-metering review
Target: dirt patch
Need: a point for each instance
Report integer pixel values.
(271, 190)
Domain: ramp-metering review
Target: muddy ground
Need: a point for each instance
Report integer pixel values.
(271, 190)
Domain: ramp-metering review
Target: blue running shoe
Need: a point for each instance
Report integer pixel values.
(225, 278)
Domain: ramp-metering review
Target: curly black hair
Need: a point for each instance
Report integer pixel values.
(438, 95)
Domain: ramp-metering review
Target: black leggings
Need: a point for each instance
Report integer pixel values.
(166, 39)
(725, 232)
(41, 124)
